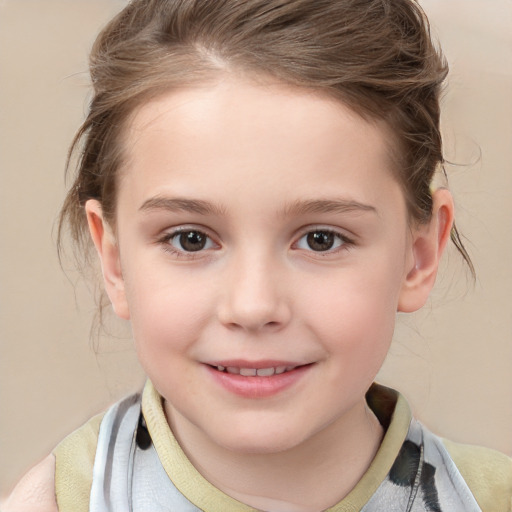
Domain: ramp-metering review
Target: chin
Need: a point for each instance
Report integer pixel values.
(260, 447)
(259, 441)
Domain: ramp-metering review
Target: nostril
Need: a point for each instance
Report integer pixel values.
(253, 313)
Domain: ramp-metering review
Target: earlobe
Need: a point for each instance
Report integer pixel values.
(428, 242)
(108, 252)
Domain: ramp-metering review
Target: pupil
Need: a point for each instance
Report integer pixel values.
(320, 240)
(192, 241)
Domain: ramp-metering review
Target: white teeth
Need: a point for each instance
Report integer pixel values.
(253, 372)
(248, 372)
(265, 372)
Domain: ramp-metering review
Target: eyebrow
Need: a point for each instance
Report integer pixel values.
(327, 206)
(179, 204)
(300, 207)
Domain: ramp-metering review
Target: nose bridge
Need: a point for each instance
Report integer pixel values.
(255, 295)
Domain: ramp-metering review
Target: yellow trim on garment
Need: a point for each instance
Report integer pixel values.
(176, 464)
(74, 461)
(488, 473)
(384, 459)
(208, 498)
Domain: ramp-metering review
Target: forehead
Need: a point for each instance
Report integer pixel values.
(255, 97)
(264, 134)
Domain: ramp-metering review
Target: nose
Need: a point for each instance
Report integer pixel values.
(254, 296)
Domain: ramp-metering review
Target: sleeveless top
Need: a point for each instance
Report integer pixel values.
(128, 475)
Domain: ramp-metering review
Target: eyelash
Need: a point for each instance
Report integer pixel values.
(167, 242)
(341, 241)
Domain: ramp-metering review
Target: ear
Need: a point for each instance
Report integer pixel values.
(428, 242)
(108, 252)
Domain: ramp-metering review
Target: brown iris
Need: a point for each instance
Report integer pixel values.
(192, 241)
(320, 240)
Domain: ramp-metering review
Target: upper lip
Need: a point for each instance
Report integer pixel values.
(266, 363)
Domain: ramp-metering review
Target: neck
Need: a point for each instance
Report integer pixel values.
(337, 457)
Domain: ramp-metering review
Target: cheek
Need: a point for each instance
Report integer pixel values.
(356, 311)
(167, 314)
(355, 323)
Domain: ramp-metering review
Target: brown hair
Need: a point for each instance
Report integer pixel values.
(374, 55)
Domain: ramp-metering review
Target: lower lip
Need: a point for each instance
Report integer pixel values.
(258, 387)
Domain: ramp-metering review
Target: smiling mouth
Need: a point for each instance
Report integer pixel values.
(257, 379)
(256, 372)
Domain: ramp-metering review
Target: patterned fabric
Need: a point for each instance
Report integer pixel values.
(423, 478)
(128, 475)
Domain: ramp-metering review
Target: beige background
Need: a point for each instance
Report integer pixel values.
(453, 360)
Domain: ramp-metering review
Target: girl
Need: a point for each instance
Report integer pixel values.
(256, 179)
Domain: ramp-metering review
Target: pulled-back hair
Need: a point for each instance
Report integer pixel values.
(376, 56)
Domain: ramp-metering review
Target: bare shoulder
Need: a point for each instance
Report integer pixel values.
(35, 491)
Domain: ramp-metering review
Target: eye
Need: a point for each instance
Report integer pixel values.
(321, 240)
(190, 241)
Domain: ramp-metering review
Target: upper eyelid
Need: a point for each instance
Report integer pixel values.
(343, 233)
(172, 231)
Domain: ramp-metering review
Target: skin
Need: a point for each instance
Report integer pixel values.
(35, 491)
(256, 168)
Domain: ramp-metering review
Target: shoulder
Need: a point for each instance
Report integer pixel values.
(74, 465)
(63, 479)
(81, 443)
(35, 491)
(487, 472)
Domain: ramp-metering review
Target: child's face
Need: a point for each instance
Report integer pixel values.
(259, 227)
